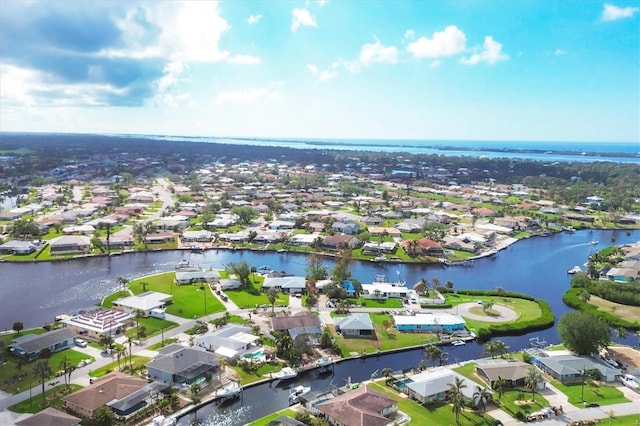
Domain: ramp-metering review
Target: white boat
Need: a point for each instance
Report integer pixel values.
(285, 373)
(380, 259)
(298, 392)
(458, 342)
(594, 242)
(324, 361)
(229, 390)
(574, 270)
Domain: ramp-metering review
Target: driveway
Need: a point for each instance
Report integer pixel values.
(504, 314)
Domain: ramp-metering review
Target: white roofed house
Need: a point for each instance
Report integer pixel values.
(102, 321)
(231, 341)
(18, 247)
(202, 236)
(291, 285)
(434, 384)
(70, 244)
(197, 276)
(355, 325)
(179, 365)
(148, 303)
(427, 323)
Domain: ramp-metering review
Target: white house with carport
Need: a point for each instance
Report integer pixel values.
(94, 324)
(434, 385)
(150, 303)
(379, 290)
(291, 285)
(192, 277)
(427, 323)
(70, 244)
(231, 341)
(569, 368)
(201, 236)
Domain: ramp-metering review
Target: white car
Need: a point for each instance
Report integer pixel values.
(81, 343)
(629, 381)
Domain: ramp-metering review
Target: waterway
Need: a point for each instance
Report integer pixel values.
(35, 292)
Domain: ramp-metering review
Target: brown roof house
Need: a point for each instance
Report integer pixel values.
(50, 417)
(514, 372)
(302, 323)
(339, 241)
(360, 407)
(122, 393)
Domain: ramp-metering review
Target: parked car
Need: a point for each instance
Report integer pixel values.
(81, 343)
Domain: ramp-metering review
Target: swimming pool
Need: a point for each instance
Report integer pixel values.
(402, 383)
(254, 355)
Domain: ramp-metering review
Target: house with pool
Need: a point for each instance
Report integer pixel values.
(231, 342)
(182, 366)
(429, 323)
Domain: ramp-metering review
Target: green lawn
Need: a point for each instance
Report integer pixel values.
(433, 414)
(53, 399)
(265, 369)
(631, 420)
(107, 301)
(188, 300)
(601, 394)
(137, 361)
(267, 419)
(468, 370)
(526, 309)
(386, 338)
(152, 325)
(509, 398)
(391, 303)
(244, 299)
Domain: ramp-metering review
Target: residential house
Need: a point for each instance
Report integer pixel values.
(456, 243)
(290, 285)
(411, 225)
(338, 241)
(355, 325)
(160, 238)
(426, 323)
(359, 407)
(387, 247)
(375, 231)
(19, 247)
(231, 341)
(50, 417)
(302, 323)
(149, 303)
(349, 227)
(513, 372)
(434, 384)
(124, 394)
(569, 368)
(101, 321)
(201, 236)
(306, 240)
(423, 246)
(30, 346)
(70, 244)
(179, 365)
(197, 276)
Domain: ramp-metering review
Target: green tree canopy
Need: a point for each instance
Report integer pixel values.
(583, 332)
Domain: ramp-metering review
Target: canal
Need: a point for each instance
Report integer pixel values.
(35, 292)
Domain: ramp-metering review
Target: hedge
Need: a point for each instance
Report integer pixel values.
(544, 321)
(434, 306)
(498, 293)
(572, 299)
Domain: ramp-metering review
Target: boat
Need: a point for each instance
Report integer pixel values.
(379, 259)
(324, 361)
(569, 229)
(285, 373)
(458, 342)
(574, 270)
(163, 421)
(594, 242)
(297, 393)
(196, 249)
(535, 342)
(230, 390)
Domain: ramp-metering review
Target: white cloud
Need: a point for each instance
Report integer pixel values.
(409, 34)
(435, 64)
(490, 53)
(613, 13)
(371, 53)
(322, 2)
(560, 52)
(312, 69)
(245, 59)
(328, 75)
(302, 18)
(197, 32)
(449, 42)
(254, 19)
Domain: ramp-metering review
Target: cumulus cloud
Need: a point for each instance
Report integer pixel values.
(611, 12)
(312, 69)
(409, 34)
(451, 41)
(322, 2)
(254, 19)
(302, 18)
(491, 52)
(107, 53)
(372, 53)
(328, 75)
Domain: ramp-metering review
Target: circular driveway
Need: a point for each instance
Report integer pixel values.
(505, 314)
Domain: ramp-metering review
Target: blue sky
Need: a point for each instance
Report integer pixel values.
(479, 70)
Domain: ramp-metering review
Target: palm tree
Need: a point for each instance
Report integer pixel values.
(122, 281)
(42, 371)
(66, 365)
(584, 295)
(106, 340)
(456, 398)
(490, 348)
(532, 380)
(387, 374)
(487, 305)
(499, 386)
(121, 352)
(421, 286)
(272, 295)
(434, 353)
(501, 348)
(481, 396)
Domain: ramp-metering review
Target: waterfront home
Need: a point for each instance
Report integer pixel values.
(387, 247)
(177, 365)
(289, 285)
(201, 236)
(384, 290)
(426, 323)
(101, 321)
(359, 407)
(355, 325)
(338, 241)
(29, 346)
(150, 303)
(513, 372)
(123, 394)
(231, 341)
(434, 384)
(302, 323)
(70, 244)
(50, 416)
(196, 276)
(346, 227)
(423, 246)
(19, 247)
(303, 239)
(568, 368)
(623, 274)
